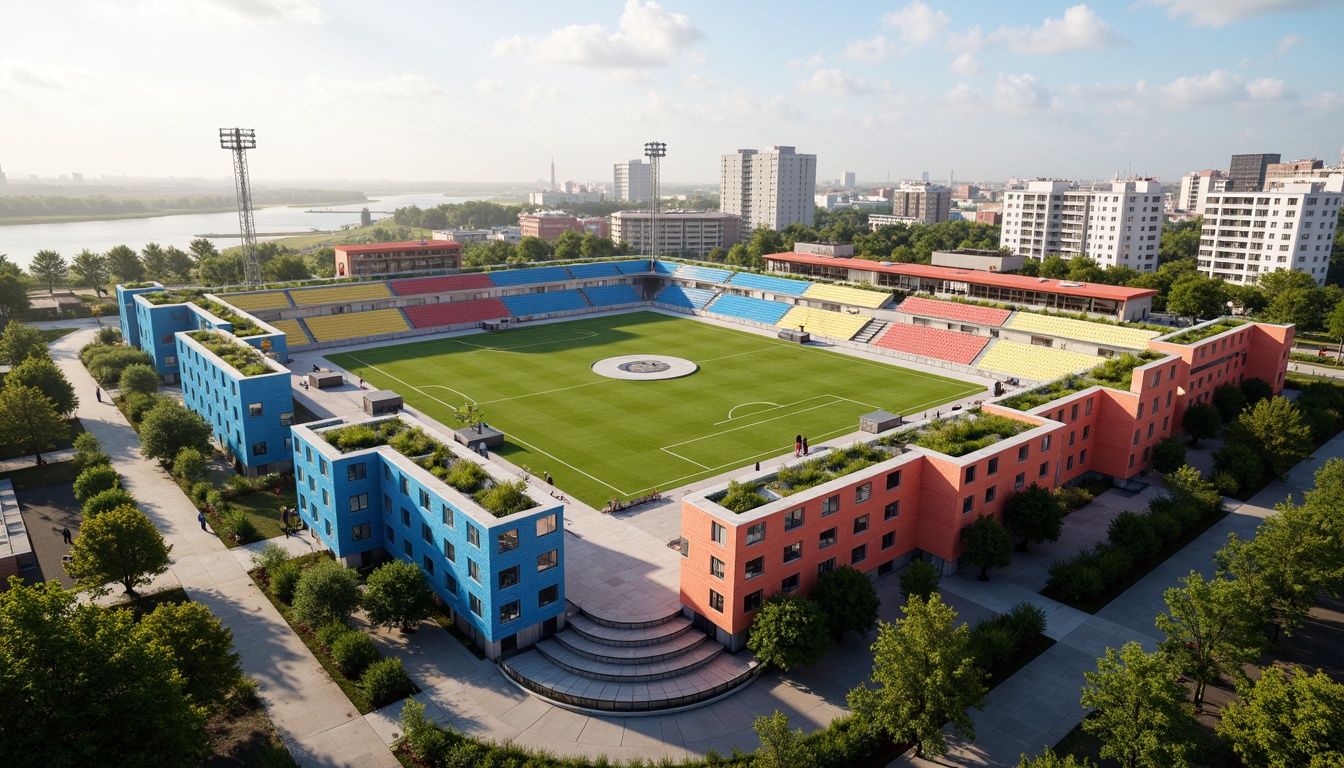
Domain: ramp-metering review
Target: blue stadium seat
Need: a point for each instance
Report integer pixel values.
(530, 276)
(781, 285)
(665, 267)
(544, 303)
(703, 274)
(611, 295)
(759, 310)
(686, 298)
(597, 269)
(634, 267)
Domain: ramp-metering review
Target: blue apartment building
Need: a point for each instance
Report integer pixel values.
(501, 577)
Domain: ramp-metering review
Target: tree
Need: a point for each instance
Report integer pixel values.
(849, 601)
(531, 249)
(1197, 296)
(221, 270)
(1276, 430)
(29, 420)
(1241, 462)
(1168, 455)
(169, 427)
(1228, 401)
(788, 631)
(326, 593)
(202, 249)
(125, 264)
(43, 375)
(1141, 715)
(1212, 629)
(1201, 421)
(1255, 389)
(108, 500)
(919, 579)
(94, 481)
(1134, 533)
(1334, 324)
(189, 464)
(178, 263)
(79, 685)
(1054, 266)
(396, 595)
(93, 270)
(1291, 720)
(14, 301)
(19, 342)
(120, 545)
(988, 545)
(286, 267)
(780, 747)
(201, 648)
(49, 267)
(925, 675)
(569, 245)
(89, 451)
(139, 378)
(155, 261)
(1033, 514)
(1049, 759)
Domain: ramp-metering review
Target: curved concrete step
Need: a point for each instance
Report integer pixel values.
(629, 636)
(638, 672)
(724, 673)
(656, 616)
(630, 654)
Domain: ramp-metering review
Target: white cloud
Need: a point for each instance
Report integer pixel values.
(1080, 29)
(811, 62)
(1216, 87)
(916, 23)
(1269, 89)
(698, 82)
(1021, 94)
(290, 11)
(397, 87)
(537, 96)
(834, 82)
(648, 36)
(44, 75)
(872, 50)
(1218, 13)
(1329, 101)
(966, 65)
(1286, 43)
(488, 85)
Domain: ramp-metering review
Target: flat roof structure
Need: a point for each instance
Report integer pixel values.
(412, 246)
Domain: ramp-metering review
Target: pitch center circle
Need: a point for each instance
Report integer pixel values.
(644, 367)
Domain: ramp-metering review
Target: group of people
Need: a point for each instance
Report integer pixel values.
(800, 446)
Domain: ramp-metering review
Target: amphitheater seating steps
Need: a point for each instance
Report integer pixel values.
(1032, 362)
(742, 307)
(594, 269)
(665, 267)
(456, 312)
(445, 284)
(627, 636)
(355, 325)
(533, 276)
(703, 274)
(1081, 330)
(686, 298)
(823, 322)
(545, 303)
(338, 294)
(770, 284)
(636, 267)
(611, 295)
(259, 300)
(630, 654)
(938, 343)
(295, 334)
(686, 660)
(951, 310)
(839, 294)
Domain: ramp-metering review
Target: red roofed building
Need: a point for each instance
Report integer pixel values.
(1110, 301)
(388, 258)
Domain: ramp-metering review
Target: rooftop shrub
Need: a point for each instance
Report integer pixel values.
(504, 499)
(823, 469)
(1116, 373)
(958, 437)
(741, 497)
(243, 358)
(1200, 333)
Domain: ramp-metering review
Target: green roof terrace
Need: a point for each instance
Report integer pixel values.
(1116, 373)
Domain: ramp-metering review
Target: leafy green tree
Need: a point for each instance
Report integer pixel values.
(780, 747)
(201, 249)
(1168, 455)
(93, 270)
(1228, 401)
(919, 579)
(738, 256)
(201, 648)
(49, 267)
(1276, 430)
(925, 676)
(396, 595)
(1212, 629)
(221, 270)
(125, 264)
(847, 597)
(14, 301)
(788, 631)
(1200, 421)
(177, 263)
(717, 255)
(155, 261)
(1134, 532)
(89, 451)
(1241, 462)
(169, 427)
(1054, 267)
(1049, 759)
(94, 481)
(988, 545)
(1197, 296)
(79, 685)
(29, 420)
(189, 464)
(19, 342)
(286, 267)
(108, 500)
(1033, 514)
(531, 249)
(43, 375)
(105, 363)
(139, 378)
(1334, 325)
(569, 245)
(1140, 712)
(120, 545)
(1290, 720)
(1255, 389)
(326, 593)
(1284, 567)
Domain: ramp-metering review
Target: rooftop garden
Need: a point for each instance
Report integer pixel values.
(958, 437)
(1199, 334)
(465, 476)
(243, 358)
(242, 326)
(744, 497)
(133, 286)
(1116, 373)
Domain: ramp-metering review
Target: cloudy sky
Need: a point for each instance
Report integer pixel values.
(491, 89)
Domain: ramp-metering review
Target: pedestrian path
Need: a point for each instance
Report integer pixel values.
(312, 715)
(22, 462)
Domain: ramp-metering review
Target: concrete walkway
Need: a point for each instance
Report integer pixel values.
(314, 717)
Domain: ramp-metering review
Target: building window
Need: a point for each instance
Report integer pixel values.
(993, 467)
(254, 409)
(391, 535)
(357, 471)
(359, 502)
(405, 547)
(863, 493)
(1045, 468)
(426, 533)
(286, 419)
(404, 485)
(473, 536)
(259, 449)
(449, 516)
(1022, 452)
(548, 560)
(1087, 431)
(424, 499)
(751, 602)
(826, 538)
(893, 480)
(322, 467)
(789, 584)
(449, 551)
(830, 505)
(428, 565)
(718, 533)
(546, 524)
(858, 554)
(716, 567)
(509, 577)
(967, 504)
(860, 524)
(755, 534)
(548, 595)
(1045, 443)
(888, 539)
(474, 570)
(716, 601)
(476, 605)
(793, 519)
(1082, 457)
(990, 493)
(755, 567)
(508, 612)
(508, 540)
(891, 510)
(326, 498)
(970, 474)
(405, 518)
(826, 567)
(450, 583)
(362, 531)
(793, 551)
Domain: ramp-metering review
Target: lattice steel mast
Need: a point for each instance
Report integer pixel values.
(238, 141)
(655, 151)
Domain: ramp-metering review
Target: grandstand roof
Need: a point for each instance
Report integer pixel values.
(412, 245)
(1021, 282)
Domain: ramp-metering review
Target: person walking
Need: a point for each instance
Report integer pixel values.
(805, 451)
(200, 518)
(549, 481)
(797, 446)
(65, 535)
(98, 393)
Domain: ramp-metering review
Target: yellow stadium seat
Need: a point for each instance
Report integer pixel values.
(340, 293)
(839, 294)
(294, 335)
(354, 325)
(1081, 330)
(822, 322)
(1029, 361)
(260, 300)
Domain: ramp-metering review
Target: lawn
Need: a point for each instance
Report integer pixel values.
(600, 437)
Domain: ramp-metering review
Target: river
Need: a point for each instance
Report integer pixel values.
(23, 241)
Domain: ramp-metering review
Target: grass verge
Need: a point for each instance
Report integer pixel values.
(16, 452)
(38, 476)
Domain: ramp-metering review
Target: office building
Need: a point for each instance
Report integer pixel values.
(965, 192)
(921, 203)
(549, 225)
(631, 181)
(1289, 227)
(551, 198)
(390, 258)
(768, 189)
(1247, 172)
(1195, 185)
(688, 234)
(1115, 223)
(847, 179)
(1311, 168)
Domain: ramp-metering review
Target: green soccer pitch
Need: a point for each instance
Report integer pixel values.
(601, 437)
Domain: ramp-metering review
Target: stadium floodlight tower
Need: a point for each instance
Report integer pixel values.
(655, 151)
(238, 141)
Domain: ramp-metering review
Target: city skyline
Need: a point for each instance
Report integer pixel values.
(985, 90)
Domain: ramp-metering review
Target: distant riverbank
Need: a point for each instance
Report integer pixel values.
(70, 218)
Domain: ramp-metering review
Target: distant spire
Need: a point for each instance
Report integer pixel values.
(552, 174)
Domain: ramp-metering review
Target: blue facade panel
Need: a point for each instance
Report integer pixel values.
(130, 324)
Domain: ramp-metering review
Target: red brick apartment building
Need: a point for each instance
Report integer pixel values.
(550, 225)
(389, 258)
(917, 503)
